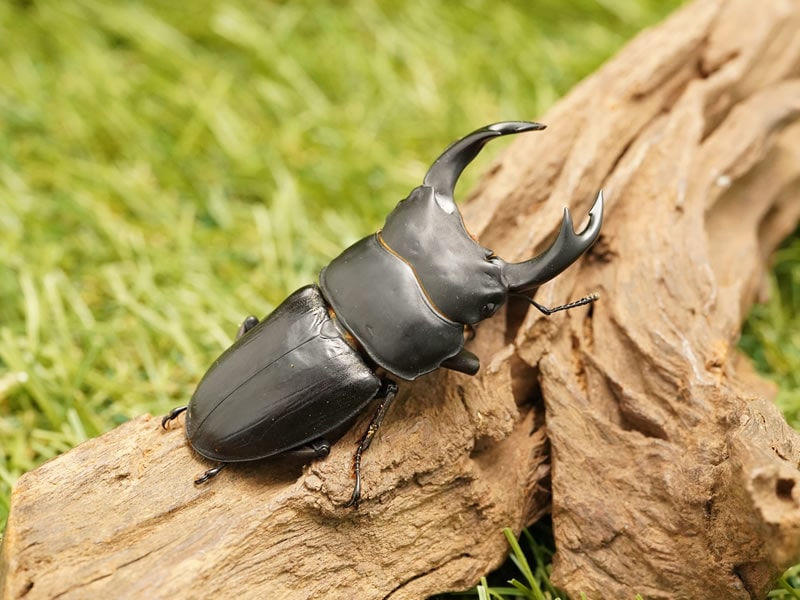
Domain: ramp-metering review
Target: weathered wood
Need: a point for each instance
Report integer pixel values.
(672, 474)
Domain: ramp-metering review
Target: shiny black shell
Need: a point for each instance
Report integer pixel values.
(378, 298)
(291, 379)
(460, 276)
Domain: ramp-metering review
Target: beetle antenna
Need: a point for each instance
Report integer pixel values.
(549, 311)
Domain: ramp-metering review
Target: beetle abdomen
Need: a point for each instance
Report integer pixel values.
(377, 297)
(288, 381)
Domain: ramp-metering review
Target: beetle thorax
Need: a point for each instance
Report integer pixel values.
(463, 279)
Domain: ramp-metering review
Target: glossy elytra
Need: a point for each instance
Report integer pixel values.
(398, 303)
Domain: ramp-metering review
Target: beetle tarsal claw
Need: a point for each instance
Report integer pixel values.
(355, 497)
(172, 415)
(210, 474)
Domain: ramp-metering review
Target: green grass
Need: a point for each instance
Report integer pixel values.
(165, 171)
(788, 585)
(771, 335)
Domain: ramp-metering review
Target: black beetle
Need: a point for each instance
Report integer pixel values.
(400, 300)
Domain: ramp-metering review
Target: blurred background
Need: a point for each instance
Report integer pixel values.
(168, 168)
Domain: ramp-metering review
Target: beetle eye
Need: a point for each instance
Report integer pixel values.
(487, 310)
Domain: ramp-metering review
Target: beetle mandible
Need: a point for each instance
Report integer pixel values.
(398, 301)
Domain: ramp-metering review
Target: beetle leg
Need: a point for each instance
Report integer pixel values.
(549, 311)
(464, 362)
(210, 474)
(249, 322)
(173, 414)
(387, 393)
(318, 448)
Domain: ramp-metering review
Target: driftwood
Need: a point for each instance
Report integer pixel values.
(672, 474)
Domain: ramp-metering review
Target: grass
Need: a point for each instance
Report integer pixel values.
(166, 169)
(771, 335)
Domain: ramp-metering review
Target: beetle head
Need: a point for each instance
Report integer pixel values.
(463, 280)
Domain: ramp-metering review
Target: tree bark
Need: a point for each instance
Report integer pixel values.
(673, 475)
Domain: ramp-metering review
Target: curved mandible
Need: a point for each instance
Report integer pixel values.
(564, 251)
(444, 172)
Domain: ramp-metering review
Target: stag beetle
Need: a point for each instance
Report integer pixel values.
(400, 301)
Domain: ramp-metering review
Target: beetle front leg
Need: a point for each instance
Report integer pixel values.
(249, 322)
(387, 393)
